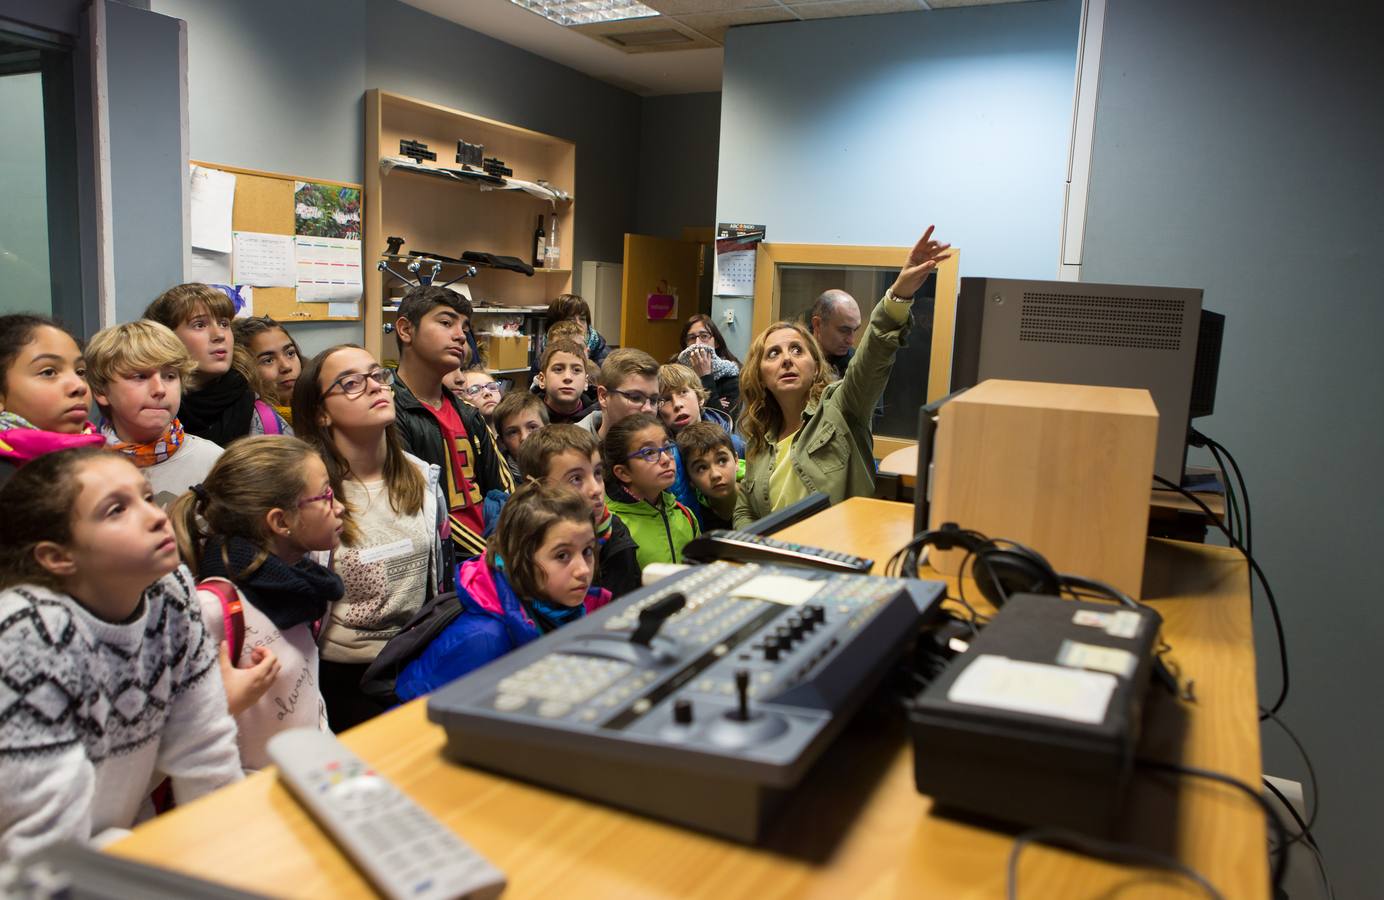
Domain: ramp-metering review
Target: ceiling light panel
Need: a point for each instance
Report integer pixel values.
(586, 12)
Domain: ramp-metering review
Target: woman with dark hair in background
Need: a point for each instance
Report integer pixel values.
(704, 351)
(572, 307)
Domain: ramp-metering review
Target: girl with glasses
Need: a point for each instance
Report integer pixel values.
(641, 465)
(704, 351)
(391, 557)
(247, 532)
(478, 388)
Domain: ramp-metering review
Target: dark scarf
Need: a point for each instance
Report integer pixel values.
(550, 616)
(220, 410)
(288, 595)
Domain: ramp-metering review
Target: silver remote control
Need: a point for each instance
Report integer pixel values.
(405, 852)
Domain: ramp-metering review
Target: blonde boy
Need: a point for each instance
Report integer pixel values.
(682, 403)
(137, 372)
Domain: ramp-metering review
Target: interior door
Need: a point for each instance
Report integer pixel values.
(659, 292)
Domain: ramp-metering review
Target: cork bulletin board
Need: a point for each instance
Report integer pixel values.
(264, 202)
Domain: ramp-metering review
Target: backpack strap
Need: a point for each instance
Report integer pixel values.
(269, 423)
(691, 518)
(232, 613)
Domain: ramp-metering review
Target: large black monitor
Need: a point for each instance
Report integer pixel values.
(1069, 332)
(927, 433)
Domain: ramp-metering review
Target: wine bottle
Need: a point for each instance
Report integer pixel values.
(540, 244)
(553, 260)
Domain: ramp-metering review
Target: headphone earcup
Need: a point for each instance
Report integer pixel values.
(1017, 571)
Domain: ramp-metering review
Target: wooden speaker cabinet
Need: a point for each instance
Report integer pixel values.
(1062, 468)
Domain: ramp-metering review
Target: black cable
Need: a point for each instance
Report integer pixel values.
(1311, 770)
(1268, 590)
(1280, 832)
(1107, 591)
(1240, 479)
(1310, 843)
(1232, 503)
(1303, 834)
(1121, 853)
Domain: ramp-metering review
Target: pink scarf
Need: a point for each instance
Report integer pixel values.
(21, 442)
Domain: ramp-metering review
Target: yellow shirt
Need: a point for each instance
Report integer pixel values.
(785, 487)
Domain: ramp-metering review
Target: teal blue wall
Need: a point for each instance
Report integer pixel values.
(863, 130)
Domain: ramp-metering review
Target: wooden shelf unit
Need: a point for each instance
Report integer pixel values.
(447, 217)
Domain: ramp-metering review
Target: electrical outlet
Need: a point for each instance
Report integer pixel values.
(728, 318)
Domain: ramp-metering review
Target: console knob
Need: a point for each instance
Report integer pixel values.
(785, 636)
(816, 613)
(682, 711)
(771, 648)
(796, 626)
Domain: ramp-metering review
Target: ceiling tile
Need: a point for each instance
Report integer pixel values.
(699, 7)
(714, 25)
(940, 4)
(831, 9)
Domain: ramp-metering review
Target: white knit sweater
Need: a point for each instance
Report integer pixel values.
(93, 714)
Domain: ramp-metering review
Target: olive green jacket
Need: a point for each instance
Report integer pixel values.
(834, 451)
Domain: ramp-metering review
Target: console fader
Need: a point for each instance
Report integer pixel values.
(694, 699)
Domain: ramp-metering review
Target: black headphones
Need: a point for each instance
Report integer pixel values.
(1002, 567)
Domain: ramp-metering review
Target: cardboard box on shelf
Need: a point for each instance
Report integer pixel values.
(505, 351)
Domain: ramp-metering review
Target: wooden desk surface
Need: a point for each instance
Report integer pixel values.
(857, 827)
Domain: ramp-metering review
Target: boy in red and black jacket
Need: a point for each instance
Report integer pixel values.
(435, 427)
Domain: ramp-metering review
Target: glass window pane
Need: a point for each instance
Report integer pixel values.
(24, 269)
(906, 391)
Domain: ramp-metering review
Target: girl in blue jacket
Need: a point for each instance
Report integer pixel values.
(535, 576)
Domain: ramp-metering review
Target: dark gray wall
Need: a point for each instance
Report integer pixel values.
(1237, 150)
(679, 139)
(146, 175)
(411, 52)
(276, 86)
(280, 86)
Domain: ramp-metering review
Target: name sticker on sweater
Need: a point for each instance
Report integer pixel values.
(386, 552)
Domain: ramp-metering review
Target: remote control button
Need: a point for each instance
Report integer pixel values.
(510, 702)
(363, 793)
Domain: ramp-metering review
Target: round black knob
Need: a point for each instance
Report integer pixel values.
(795, 626)
(785, 636)
(771, 648)
(682, 711)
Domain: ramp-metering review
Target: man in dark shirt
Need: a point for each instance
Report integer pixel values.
(835, 321)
